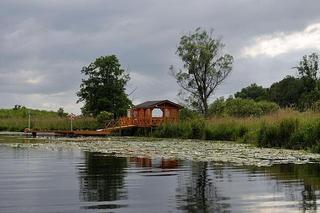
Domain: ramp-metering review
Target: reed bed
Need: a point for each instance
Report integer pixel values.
(286, 128)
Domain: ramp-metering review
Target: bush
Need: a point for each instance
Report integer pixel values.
(188, 114)
(315, 107)
(268, 107)
(242, 107)
(173, 130)
(104, 116)
(218, 107)
(281, 135)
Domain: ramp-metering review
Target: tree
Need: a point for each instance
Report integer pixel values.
(204, 67)
(254, 92)
(309, 66)
(104, 87)
(60, 112)
(287, 92)
(308, 69)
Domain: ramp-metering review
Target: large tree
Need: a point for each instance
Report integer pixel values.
(205, 66)
(103, 88)
(286, 92)
(253, 92)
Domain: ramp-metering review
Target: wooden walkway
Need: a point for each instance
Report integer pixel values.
(111, 126)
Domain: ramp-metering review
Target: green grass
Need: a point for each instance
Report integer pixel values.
(284, 129)
(17, 120)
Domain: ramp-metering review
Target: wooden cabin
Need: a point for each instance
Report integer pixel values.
(151, 114)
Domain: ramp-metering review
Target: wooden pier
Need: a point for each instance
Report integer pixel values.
(141, 116)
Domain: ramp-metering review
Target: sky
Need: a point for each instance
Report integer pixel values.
(44, 44)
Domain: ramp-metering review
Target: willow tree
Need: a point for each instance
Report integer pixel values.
(205, 67)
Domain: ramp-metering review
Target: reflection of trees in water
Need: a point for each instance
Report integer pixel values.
(102, 178)
(196, 192)
(306, 174)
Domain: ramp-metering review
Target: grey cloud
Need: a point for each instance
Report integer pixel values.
(54, 39)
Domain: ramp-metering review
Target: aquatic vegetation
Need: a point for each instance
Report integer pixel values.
(196, 150)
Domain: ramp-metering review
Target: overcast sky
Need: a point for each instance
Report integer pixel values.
(45, 43)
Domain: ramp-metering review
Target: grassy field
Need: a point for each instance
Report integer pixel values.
(17, 120)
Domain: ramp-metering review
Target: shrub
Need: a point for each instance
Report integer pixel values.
(197, 129)
(188, 114)
(268, 107)
(104, 116)
(278, 135)
(218, 107)
(242, 107)
(315, 107)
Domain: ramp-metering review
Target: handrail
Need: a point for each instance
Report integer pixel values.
(139, 122)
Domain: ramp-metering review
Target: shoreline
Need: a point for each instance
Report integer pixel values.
(194, 150)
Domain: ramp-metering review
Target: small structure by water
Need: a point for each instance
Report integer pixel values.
(148, 114)
(154, 113)
(145, 115)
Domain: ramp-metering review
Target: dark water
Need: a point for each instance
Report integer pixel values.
(63, 181)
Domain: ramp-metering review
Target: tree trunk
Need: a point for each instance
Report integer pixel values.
(205, 107)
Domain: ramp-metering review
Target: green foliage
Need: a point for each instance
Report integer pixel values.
(104, 116)
(225, 132)
(254, 92)
(104, 87)
(61, 112)
(241, 107)
(173, 130)
(287, 92)
(188, 114)
(268, 107)
(201, 129)
(315, 107)
(292, 134)
(309, 66)
(204, 67)
(278, 135)
(218, 107)
(17, 120)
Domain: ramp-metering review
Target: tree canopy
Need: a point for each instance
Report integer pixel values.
(205, 67)
(103, 88)
(253, 92)
(299, 92)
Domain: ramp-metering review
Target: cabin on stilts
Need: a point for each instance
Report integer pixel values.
(150, 114)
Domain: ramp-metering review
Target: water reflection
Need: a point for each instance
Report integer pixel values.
(198, 186)
(102, 178)
(50, 181)
(197, 192)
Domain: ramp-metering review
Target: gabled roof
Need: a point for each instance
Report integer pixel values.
(150, 104)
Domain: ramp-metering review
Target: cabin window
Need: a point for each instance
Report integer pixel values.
(157, 113)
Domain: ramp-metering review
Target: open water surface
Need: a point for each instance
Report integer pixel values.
(34, 180)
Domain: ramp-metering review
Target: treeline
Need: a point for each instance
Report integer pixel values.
(301, 92)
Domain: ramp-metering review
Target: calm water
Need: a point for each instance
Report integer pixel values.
(63, 181)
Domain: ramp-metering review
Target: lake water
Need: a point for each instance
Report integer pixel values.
(34, 180)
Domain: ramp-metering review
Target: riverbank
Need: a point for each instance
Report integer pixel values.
(284, 129)
(195, 150)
